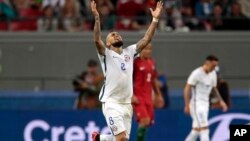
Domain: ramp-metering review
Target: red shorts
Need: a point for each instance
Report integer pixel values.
(144, 111)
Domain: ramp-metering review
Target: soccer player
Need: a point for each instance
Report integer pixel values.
(117, 66)
(145, 82)
(202, 82)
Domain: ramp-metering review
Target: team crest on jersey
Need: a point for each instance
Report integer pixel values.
(114, 128)
(127, 58)
(142, 68)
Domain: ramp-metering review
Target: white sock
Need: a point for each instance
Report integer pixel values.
(204, 135)
(106, 137)
(192, 136)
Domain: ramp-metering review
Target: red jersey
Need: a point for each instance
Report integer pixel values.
(144, 75)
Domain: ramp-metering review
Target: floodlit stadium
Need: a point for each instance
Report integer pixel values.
(60, 82)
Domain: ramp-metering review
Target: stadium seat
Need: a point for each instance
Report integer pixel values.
(29, 13)
(24, 25)
(3, 26)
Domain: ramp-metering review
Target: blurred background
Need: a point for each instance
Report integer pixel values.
(50, 76)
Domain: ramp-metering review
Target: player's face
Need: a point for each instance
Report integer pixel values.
(92, 69)
(212, 65)
(147, 51)
(114, 39)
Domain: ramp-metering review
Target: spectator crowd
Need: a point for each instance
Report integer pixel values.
(74, 15)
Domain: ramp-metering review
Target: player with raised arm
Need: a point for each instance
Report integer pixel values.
(117, 66)
(201, 82)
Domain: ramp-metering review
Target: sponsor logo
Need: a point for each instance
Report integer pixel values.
(142, 68)
(224, 122)
(60, 132)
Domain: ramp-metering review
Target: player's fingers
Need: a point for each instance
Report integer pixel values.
(159, 4)
(162, 104)
(225, 108)
(93, 3)
(187, 111)
(151, 10)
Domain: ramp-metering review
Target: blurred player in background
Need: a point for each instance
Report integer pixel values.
(117, 66)
(202, 82)
(145, 82)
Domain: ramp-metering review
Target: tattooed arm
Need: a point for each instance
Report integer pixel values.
(151, 30)
(97, 30)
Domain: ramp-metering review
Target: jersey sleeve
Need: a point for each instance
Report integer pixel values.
(102, 59)
(192, 79)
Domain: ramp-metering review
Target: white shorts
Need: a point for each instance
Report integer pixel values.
(118, 117)
(199, 114)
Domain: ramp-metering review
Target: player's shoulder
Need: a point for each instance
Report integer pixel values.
(152, 60)
(197, 71)
(137, 60)
(213, 73)
(133, 46)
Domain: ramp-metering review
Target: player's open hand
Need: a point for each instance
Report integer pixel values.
(157, 12)
(93, 8)
(223, 106)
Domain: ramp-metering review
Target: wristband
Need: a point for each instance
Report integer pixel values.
(155, 20)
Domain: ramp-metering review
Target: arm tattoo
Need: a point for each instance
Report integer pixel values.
(97, 28)
(97, 36)
(147, 37)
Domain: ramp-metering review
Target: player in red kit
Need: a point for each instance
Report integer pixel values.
(145, 84)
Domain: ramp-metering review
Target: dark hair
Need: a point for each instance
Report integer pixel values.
(212, 58)
(92, 63)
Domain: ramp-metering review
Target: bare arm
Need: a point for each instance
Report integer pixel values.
(156, 87)
(217, 94)
(187, 91)
(97, 30)
(159, 101)
(151, 30)
(222, 103)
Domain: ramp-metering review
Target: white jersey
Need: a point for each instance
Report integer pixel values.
(202, 84)
(118, 72)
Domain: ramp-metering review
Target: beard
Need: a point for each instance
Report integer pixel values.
(117, 44)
